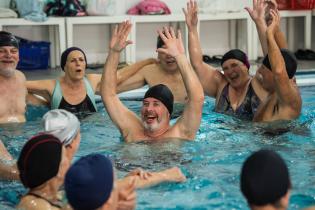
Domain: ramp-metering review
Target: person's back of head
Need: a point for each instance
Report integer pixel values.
(265, 180)
(39, 160)
(289, 60)
(89, 182)
(62, 124)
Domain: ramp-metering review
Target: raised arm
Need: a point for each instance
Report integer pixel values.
(115, 108)
(188, 124)
(257, 13)
(286, 92)
(209, 77)
(260, 14)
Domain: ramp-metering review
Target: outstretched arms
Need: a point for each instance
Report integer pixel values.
(116, 110)
(188, 124)
(209, 77)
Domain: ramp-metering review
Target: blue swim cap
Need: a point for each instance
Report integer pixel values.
(89, 182)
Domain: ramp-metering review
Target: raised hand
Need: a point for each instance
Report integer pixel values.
(191, 14)
(258, 12)
(271, 5)
(275, 22)
(174, 45)
(127, 196)
(119, 38)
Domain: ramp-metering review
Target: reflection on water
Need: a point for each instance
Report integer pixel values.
(211, 163)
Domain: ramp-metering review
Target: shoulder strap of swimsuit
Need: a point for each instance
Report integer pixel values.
(57, 205)
(56, 96)
(90, 92)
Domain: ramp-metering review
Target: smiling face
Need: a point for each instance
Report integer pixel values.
(75, 65)
(235, 72)
(167, 62)
(9, 58)
(154, 114)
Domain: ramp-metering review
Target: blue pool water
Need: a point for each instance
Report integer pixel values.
(211, 163)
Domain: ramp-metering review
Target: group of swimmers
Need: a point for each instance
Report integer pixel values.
(271, 94)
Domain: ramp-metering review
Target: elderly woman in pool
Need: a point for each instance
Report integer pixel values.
(75, 90)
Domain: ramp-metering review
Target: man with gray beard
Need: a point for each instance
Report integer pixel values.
(12, 82)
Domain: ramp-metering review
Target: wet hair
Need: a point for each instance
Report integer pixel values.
(65, 54)
(264, 178)
(289, 60)
(163, 94)
(7, 39)
(238, 55)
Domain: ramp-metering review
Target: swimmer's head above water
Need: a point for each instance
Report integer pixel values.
(61, 124)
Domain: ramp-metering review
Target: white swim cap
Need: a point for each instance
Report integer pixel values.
(62, 124)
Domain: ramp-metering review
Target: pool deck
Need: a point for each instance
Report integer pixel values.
(305, 69)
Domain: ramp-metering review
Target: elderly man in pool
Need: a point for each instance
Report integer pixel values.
(158, 100)
(12, 82)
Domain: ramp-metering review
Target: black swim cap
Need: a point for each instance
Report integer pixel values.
(163, 94)
(65, 54)
(236, 54)
(264, 178)
(7, 39)
(289, 60)
(39, 160)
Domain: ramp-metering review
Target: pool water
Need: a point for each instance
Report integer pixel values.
(211, 163)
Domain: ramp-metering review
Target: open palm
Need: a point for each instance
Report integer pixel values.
(191, 14)
(119, 38)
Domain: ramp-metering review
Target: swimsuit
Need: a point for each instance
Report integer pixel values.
(245, 111)
(57, 204)
(87, 105)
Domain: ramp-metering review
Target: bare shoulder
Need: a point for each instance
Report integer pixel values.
(20, 75)
(31, 203)
(148, 69)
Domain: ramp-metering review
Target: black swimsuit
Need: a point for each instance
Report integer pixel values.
(83, 108)
(245, 111)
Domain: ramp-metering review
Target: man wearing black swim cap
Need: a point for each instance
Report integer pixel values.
(158, 101)
(12, 82)
(276, 74)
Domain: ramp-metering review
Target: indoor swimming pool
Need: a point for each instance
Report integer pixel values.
(211, 163)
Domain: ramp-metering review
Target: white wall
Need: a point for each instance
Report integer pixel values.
(4, 3)
(214, 34)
